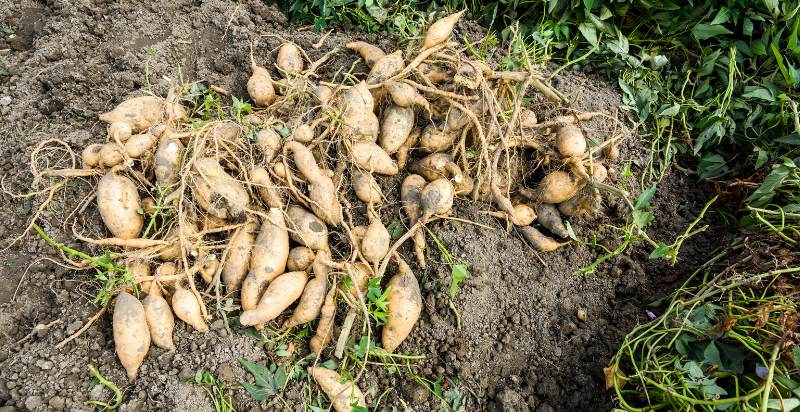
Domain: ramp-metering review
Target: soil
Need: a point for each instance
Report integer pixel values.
(520, 345)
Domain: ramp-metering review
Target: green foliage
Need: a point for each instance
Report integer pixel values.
(377, 300)
(98, 378)
(268, 381)
(215, 390)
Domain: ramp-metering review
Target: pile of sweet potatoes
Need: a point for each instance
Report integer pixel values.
(248, 203)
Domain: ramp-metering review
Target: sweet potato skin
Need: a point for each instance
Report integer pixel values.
(119, 202)
(131, 334)
(405, 306)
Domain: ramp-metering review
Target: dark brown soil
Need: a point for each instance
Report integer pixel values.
(520, 344)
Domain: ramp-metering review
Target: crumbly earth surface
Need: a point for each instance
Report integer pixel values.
(518, 345)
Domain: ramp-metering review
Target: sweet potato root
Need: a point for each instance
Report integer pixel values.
(342, 393)
(119, 202)
(280, 294)
(131, 334)
(405, 306)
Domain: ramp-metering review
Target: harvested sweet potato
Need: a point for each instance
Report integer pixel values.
(140, 269)
(550, 219)
(325, 325)
(269, 192)
(131, 334)
(376, 241)
(187, 308)
(139, 144)
(359, 120)
(371, 157)
(306, 228)
(441, 165)
(300, 258)
(119, 203)
(527, 118)
(159, 317)
(405, 95)
(322, 192)
(410, 143)
(303, 133)
(138, 113)
(599, 172)
(167, 161)
(289, 59)
(583, 202)
(271, 249)
(435, 73)
(322, 94)
(110, 155)
(366, 188)
(611, 152)
(280, 294)
(209, 269)
(434, 140)
(358, 281)
(342, 393)
(410, 195)
(437, 198)
(260, 87)
(237, 262)
(396, 126)
(386, 67)
(558, 186)
(217, 192)
(268, 142)
(90, 157)
(570, 141)
(524, 215)
(405, 306)
(441, 30)
(313, 296)
(538, 240)
(371, 54)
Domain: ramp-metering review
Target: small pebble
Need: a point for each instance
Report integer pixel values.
(582, 314)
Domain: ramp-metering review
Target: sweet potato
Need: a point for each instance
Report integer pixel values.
(187, 308)
(270, 193)
(322, 94)
(139, 144)
(140, 269)
(437, 198)
(226, 132)
(434, 140)
(599, 172)
(356, 282)
(159, 317)
(120, 132)
(570, 141)
(237, 262)
(321, 191)
(611, 152)
(217, 192)
(371, 54)
(303, 133)
(300, 258)
(435, 73)
(527, 119)
(395, 128)
(119, 203)
(167, 161)
(583, 202)
(139, 113)
(558, 186)
(550, 219)
(441, 30)
(441, 165)
(386, 67)
(366, 188)
(359, 120)
(325, 325)
(405, 95)
(370, 157)
(306, 228)
(313, 296)
(524, 215)
(280, 294)
(410, 143)
(538, 240)
(376, 241)
(209, 269)
(131, 334)
(289, 60)
(90, 157)
(252, 289)
(342, 393)
(271, 249)
(110, 155)
(405, 306)
(268, 142)
(410, 195)
(260, 87)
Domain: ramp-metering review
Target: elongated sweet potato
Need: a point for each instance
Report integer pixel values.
(289, 60)
(300, 258)
(217, 192)
(280, 294)
(167, 161)
(139, 144)
(405, 148)
(159, 317)
(386, 67)
(131, 334)
(306, 228)
(237, 262)
(550, 219)
(357, 113)
(405, 306)
(187, 308)
(410, 195)
(437, 198)
(271, 249)
(370, 157)
(366, 188)
(538, 240)
(441, 165)
(441, 30)
(395, 128)
(322, 192)
(341, 394)
(313, 296)
(119, 202)
(138, 113)
(371, 54)
(269, 192)
(434, 140)
(325, 325)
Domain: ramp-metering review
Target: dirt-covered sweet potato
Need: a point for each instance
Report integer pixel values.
(570, 141)
(550, 219)
(396, 126)
(217, 192)
(313, 296)
(131, 334)
(441, 30)
(357, 116)
(405, 306)
(138, 113)
(119, 203)
(342, 393)
(306, 228)
(289, 59)
(209, 269)
(187, 308)
(441, 165)
(300, 258)
(366, 188)
(237, 262)
(159, 317)
(110, 155)
(405, 148)
(280, 294)
(372, 158)
(434, 140)
(268, 142)
(139, 144)
(538, 240)
(269, 192)
(558, 186)
(167, 161)
(370, 53)
(583, 202)
(437, 198)
(271, 248)
(386, 67)
(405, 95)
(321, 191)
(376, 241)
(140, 269)
(410, 196)
(325, 325)
(524, 215)
(260, 87)
(303, 133)
(90, 157)
(322, 94)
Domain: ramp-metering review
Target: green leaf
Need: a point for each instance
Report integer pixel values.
(262, 374)
(796, 356)
(395, 229)
(458, 273)
(198, 376)
(703, 31)
(256, 392)
(792, 139)
(723, 16)
(589, 32)
(588, 4)
(641, 218)
(670, 111)
(787, 404)
(659, 252)
(711, 165)
(758, 92)
(570, 232)
(643, 201)
(329, 364)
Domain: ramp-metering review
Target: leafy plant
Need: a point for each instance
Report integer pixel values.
(268, 381)
(215, 390)
(377, 300)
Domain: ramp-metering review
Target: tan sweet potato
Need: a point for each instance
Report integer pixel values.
(599, 172)
(322, 94)
(139, 113)
(550, 219)
(410, 195)
(131, 334)
(570, 141)
(410, 143)
(187, 308)
(120, 132)
(300, 259)
(527, 119)
(359, 120)
(524, 215)
(325, 325)
(139, 144)
(322, 192)
(581, 203)
(268, 142)
(395, 128)
(386, 67)
(260, 87)
(376, 241)
(434, 140)
(366, 188)
(437, 198)
(303, 133)
(237, 262)
(209, 269)
(342, 393)
(405, 95)
(90, 157)
(280, 294)
(538, 240)
(441, 165)
(611, 152)
(313, 296)
(110, 155)
(370, 157)
(405, 306)
(119, 203)
(252, 289)
(289, 59)
(371, 54)
(441, 30)
(435, 73)
(271, 249)
(558, 186)
(140, 269)
(167, 161)
(306, 228)
(159, 317)
(356, 282)
(269, 192)
(217, 192)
